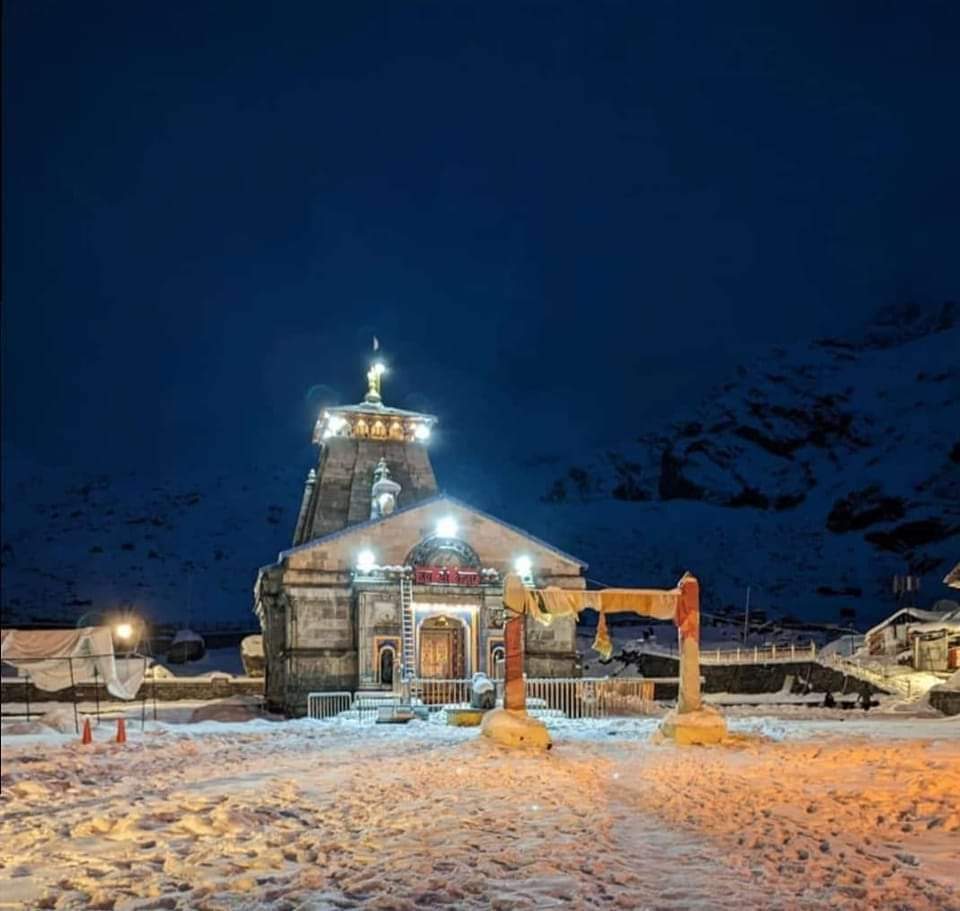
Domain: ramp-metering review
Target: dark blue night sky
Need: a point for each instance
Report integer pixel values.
(547, 212)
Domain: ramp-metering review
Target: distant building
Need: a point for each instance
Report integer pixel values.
(387, 577)
(927, 640)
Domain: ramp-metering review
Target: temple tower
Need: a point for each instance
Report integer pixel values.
(362, 447)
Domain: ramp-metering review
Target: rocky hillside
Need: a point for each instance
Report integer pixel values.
(180, 550)
(813, 475)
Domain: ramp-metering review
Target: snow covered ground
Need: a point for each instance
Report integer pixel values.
(798, 811)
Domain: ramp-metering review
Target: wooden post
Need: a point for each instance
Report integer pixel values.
(96, 691)
(688, 627)
(514, 695)
(73, 689)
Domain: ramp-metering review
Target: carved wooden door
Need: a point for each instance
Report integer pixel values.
(436, 652)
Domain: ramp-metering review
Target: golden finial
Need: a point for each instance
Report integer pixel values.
(376, 371)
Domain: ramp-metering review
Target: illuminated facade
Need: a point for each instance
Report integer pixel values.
(390, 579)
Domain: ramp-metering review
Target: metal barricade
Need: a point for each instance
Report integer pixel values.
(327, 705)
(446, 692)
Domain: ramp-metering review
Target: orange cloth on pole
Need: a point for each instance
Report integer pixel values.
(544, 604)
(602, 644)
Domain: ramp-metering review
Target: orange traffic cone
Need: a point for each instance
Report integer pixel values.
(87, 733)
(121, 730)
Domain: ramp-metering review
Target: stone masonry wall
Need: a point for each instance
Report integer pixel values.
(166, 691)
(341, 496)
(755, 678)
(550, 651)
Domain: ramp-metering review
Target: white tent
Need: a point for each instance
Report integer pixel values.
(59, 658)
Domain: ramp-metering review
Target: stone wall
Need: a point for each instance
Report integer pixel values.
(551, 651)
(341, 495)
(166, 690)
(754, 678)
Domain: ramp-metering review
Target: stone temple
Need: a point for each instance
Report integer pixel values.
(389, 579)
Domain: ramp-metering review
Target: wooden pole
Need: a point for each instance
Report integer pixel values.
(73, 689)
(143, 703)
(96, 690)
(688, 628)
(514, 695)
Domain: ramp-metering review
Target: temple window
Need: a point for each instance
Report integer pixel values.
(385, 663)
(361, 429)
(378, 431)
(396, 431)
(498, 655)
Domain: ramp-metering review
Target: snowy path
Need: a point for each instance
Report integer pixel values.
(318, 816)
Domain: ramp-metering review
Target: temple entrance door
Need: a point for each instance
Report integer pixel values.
(441, 649)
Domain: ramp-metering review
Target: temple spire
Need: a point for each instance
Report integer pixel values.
(376, 371)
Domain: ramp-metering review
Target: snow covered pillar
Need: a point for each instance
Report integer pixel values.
(688, 629)
(514, 691)
(691, 722)
(511, 726)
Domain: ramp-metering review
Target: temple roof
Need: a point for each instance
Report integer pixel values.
(442, 497)
(378, 408)
(358, 420)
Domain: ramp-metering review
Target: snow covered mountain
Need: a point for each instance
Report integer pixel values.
(813, 475)
(179, 550)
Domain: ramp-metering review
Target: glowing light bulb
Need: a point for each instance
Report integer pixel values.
(447, 527)
(366, 561)
(124, 631)
(422, 432)
(523, 566)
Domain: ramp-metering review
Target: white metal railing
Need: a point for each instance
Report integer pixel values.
(592, 697)
(574, 697)
(367, 706)
(767, 654)
(898, 679)
(626, 696)
(327, 705)
(439, 691)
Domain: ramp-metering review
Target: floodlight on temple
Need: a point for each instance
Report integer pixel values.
(523, 566)
(447, 527)
(366, 561)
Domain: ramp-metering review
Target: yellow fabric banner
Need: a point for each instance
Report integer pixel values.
(546, 603)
